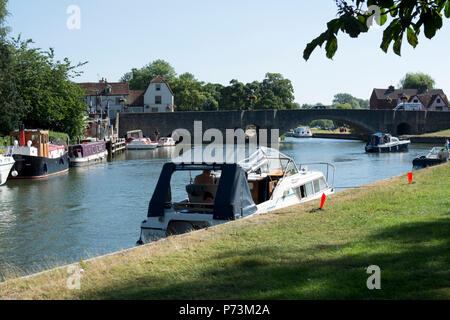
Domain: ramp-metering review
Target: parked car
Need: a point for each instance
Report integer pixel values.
(409, 107)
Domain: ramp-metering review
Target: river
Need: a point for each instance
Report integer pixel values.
(98, 209)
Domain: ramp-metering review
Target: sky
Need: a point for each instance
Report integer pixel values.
(219, 41)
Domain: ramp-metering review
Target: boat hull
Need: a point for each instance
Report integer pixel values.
(87, 161)
(32, 167)
(144, 147)
(395, 148)
(423, 162)
(5, 169)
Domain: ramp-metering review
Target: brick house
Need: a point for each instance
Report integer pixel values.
(430, 99)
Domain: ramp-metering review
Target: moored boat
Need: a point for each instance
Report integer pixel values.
(35, 157)
(266, 181)
(166, 142)
(87, 153)
(302, 132)
(141, 144)
(437, 155)
(384, 142)
(6, 163)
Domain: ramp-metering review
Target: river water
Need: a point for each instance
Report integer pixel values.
(98, 209)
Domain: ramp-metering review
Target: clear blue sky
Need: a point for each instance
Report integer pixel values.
(222, 40)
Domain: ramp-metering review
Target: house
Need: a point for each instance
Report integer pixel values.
(159, 96)
(430, 99)
(98, 95)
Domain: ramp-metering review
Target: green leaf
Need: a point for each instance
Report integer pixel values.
(398, 45)
(447, 9)
(383, 17)
(331, 47)
(429, 27)
(412, 37)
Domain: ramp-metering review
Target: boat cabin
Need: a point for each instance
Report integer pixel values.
(134, 134)
(39, 141)
(86, 149)
(379, 138)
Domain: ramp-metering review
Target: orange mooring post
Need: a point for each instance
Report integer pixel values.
(324, 197)
(410, 177)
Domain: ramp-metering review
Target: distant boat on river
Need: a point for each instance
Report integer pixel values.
(384, 142)
(436, 156)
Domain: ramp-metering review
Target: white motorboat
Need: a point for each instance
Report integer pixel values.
(6, 163)
(167, 142)
(268, 180)
(302, 132)
(384, 142)
(141, 144)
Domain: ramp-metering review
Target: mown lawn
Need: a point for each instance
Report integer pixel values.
(297, 253)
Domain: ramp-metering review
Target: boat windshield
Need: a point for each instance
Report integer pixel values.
(268, 160)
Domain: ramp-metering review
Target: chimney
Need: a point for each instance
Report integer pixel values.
(22, 141)
(391, 88)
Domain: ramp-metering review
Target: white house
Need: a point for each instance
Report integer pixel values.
(159, 96)
(99, 95)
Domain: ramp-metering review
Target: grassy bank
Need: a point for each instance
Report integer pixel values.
(443, 133)
(296, 253)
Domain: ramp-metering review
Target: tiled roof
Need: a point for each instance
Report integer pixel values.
(99, 88)
(136, 98)
(160, 79)
(387, 98)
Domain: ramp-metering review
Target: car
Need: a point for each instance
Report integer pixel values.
(408, 107)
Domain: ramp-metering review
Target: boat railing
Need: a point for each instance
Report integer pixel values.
(330, 170)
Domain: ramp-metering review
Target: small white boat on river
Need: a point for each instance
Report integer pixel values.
(268, 180)
(302, 132)
(6, 163)
(141, 144)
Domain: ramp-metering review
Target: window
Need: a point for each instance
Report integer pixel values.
(158, 99)
(309, 189)
(158, 87)
(154, 109)
(316, 186)
(438, 108)
(438, 100)
(415, 100)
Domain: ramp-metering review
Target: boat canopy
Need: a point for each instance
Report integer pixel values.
(233, 197)
(266, 160)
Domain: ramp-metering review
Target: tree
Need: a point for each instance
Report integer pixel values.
(276, 92)
(10, 111)
(139, 79)
(408, 17)
(47, 94)
(416, 81)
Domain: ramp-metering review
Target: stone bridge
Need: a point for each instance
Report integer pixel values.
(365, 121)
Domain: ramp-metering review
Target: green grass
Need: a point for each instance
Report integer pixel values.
(296, 253)
(443, 133)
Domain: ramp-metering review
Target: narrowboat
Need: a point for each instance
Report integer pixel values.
(35, 157)
(268, 180)
(384, 142)
(6, 163)
(87, 153)
(437, 155)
